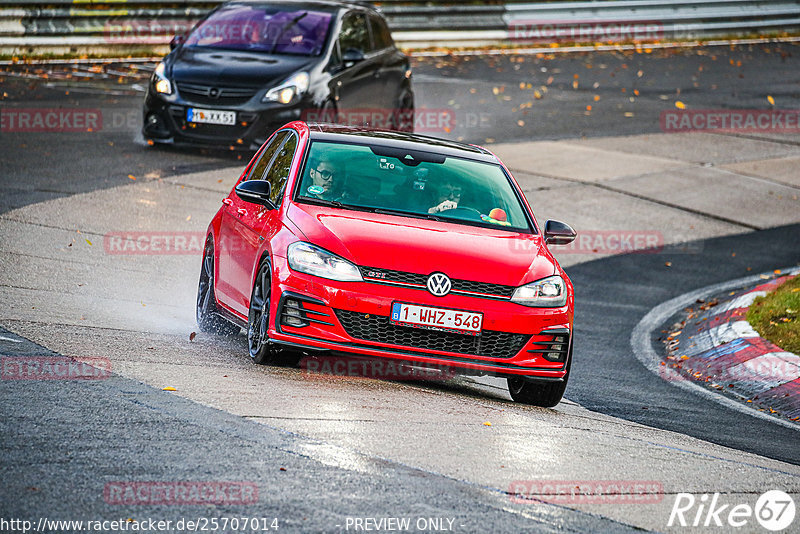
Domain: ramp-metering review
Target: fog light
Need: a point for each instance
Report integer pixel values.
(293, 314)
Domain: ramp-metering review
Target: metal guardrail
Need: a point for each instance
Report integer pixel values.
(32, 27)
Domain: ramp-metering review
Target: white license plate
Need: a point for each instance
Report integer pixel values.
(211, 116)
(436, 318)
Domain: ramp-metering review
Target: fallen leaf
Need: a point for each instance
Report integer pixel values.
(596, 98)
(89, 242)
(770, 100)
(132, 177)
(192, 336)
(189, 218)
(487, 423)
(668, 263)
(169, 388)
(680, 105)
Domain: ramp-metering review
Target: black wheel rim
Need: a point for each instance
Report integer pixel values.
(259, 313)
(205, 290)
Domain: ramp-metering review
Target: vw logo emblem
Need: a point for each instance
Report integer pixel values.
(439, 284)
(213, 92)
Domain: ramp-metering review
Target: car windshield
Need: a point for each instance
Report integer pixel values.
(411, 183)
(270, 29)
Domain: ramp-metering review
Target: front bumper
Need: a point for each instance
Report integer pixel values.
(165, 122)
(323, 315)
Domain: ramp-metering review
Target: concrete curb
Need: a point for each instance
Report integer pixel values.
(716, 345)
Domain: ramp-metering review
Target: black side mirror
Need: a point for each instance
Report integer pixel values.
(176, 42)
(352, 56)
(256, 192)
(558, 233)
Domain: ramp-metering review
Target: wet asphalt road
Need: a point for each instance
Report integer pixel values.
(489, 99)
(120, 418)
(613, 294)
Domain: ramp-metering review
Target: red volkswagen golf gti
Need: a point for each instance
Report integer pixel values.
(390, 245)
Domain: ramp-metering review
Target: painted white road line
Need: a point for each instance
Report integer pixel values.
(647, 356)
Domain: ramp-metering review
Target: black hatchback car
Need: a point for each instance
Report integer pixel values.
(251, 66)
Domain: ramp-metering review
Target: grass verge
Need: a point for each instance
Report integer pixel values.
(776, 316)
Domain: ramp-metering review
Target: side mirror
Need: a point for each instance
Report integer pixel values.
(352, 56)
(256, 192)
(558, 233)
(176, 42)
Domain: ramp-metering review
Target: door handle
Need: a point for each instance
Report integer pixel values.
(242, 212)
(227, 201)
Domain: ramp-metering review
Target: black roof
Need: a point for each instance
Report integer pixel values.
(312, 3)
(410, 141)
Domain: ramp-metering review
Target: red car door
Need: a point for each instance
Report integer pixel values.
(242, 232)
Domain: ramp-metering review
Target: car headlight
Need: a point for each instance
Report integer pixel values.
(160, 81)
(310, 259)
(286, 92)
(550, 292)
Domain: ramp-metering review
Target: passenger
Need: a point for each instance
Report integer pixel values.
(449, 196)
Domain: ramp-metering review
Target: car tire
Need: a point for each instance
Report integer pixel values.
(262, 350)
(539, 393)
(208, 318)
(403, 117)
(328, 113)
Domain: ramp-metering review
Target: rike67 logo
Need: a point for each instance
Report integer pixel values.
(774, 511)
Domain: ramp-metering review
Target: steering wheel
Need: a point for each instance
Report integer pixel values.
(462, 212)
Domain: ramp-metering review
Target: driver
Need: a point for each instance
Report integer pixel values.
(449, 196)
(323, 174)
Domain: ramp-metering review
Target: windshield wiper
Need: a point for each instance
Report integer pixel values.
(382, 211)
(323, 202)
(408, 214)
(284, 29)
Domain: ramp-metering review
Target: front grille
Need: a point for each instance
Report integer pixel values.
(402, 277)
(377, 328)
(226, 96)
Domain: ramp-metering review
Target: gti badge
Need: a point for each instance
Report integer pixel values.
(439, 284)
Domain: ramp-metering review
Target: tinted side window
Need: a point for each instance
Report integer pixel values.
(278, 172)
(355, 33)
(260, 168)
(381, 38)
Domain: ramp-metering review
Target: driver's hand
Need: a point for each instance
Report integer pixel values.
(445, 205)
